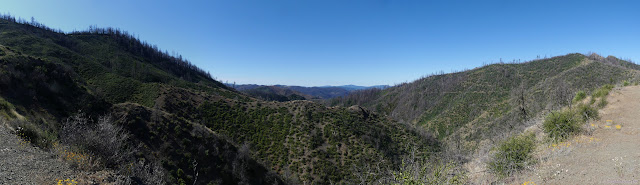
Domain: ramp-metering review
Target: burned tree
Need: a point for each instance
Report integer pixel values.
(563, 95)
(521, 102)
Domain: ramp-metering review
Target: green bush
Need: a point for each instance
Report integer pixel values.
(602, 91)
(513, 155)
(559, 125)
(33, 134)
(422, 171)
(587, 112)
(580, 95)
(626, 83)
(5, 108)
(603, 102)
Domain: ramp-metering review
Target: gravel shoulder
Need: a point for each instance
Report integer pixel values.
(21, 163)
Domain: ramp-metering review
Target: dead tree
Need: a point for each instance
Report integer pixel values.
(521, 100)
(563, 95)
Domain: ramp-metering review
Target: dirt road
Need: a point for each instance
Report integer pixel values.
(609, 155)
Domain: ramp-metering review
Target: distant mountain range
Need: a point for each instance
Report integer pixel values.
(280, 92)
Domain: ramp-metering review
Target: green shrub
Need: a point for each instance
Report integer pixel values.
(559, 125)
(422, 171)
(602, 91)
(5, 108)
(603, 102)
(587, 112)
(513, 155)
(626, 83)
(33, 134)
(580, 95)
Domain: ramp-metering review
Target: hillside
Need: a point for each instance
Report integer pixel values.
(275, 93)
(472, 109)
(126, 106)
(321, 92)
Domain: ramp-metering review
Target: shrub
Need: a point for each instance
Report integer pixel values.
(626, 83)
(592, 101)
(513, 155)
(587, 112)
(422, 171)
(5, 108)
(580, 95)
(559, 125)
(32, 133)
(149, 173)
(110, 143)
(602, 91)
(603, 102)
(104, 139)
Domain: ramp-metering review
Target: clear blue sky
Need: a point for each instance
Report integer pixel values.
(365, 42)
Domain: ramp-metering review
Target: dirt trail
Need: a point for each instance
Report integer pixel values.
(21, 163)
(610, 155)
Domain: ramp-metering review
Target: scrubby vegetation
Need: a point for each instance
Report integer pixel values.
(415, 171)
(486, 102)
(560, 125)
(602, 102)
(274, 93)
(587, 112)
(6, 108)
(580, 95)
(513, 154)
(173, 122)
(602, 91)
(337, 139)
(516, 152)
(32, 133)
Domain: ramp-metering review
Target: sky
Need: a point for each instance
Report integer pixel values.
(361, 42)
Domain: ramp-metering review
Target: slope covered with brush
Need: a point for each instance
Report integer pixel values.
(275, 93)
(167, 119)
(489, 102)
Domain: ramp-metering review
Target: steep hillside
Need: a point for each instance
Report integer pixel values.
(488, 103)
(275, 93)
(167, 119)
